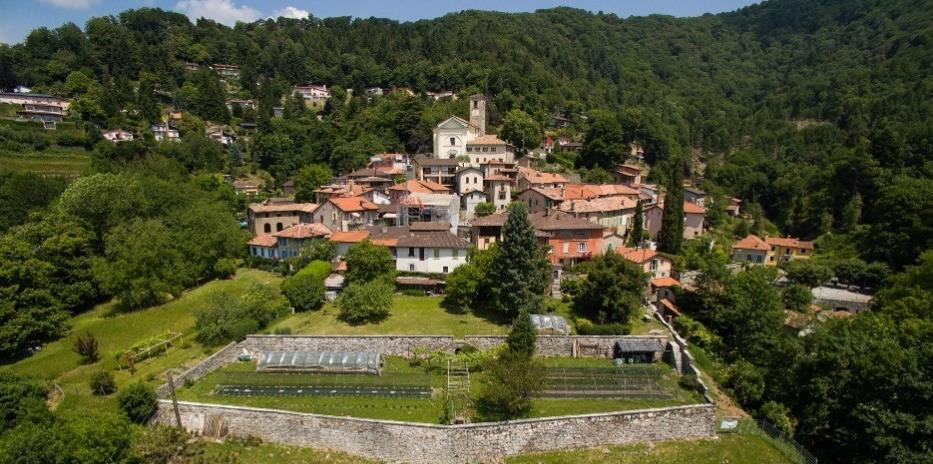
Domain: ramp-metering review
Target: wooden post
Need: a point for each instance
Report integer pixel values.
(171, 387)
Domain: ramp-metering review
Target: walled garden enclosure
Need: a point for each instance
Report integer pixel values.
(585, 401)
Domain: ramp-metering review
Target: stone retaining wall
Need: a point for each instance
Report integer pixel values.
(424, 443)
(387, 345)
(226, 355)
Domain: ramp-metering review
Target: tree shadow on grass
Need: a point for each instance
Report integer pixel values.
(482, 311)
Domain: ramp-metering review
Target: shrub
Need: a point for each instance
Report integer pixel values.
(305, 291)
(225, 267)
(745, 382)
(229, 317)
(508, 387)
(797, 298)
(690, 382)
(103, 383)
(366, 302)
(604, 329)
(367, 262)
(778, 415)
(138, 402)
(86, 346)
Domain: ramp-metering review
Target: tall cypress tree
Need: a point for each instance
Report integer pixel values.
(521, 270)
(638, 227)
(671, 236)
(522, 337)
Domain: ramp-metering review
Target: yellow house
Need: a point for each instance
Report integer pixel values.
(772, 251)
(787, 249)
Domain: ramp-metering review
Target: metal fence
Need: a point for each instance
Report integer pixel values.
(784, 443)
(602, 382)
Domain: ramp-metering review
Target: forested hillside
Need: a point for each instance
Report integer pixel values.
(817, 114)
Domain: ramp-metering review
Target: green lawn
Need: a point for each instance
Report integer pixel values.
(237, 452)
(727, 449)
(410, 315)
(57, 363)
(59, 161)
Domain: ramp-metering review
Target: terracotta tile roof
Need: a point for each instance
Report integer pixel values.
(693, 208)
(637, 255)
(536, 177)
(353, 190)
(426, 161)
(628, 169)
(689, 208)
(751, 242)
(556, 220)
(671, 306)
(354, 236)
(491, 220)
(266, 241)
(789, 242)
(429, 226)
(283, 207)
(607, 190)
(304, 230)
(433, 240)
(422, 186)
(488, 139)
(496, 177)
(664, 282)
(353, 204)
(598, 205)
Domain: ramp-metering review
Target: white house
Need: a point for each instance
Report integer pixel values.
(469, 200)
(162, 132)
(469, 178)
(423, 247)
(117, 135)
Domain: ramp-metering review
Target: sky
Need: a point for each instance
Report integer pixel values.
(18, 17)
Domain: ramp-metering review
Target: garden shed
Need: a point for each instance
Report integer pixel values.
(326, 361)
(639, 350)
(547, 324)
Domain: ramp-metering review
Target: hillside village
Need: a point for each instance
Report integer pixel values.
(594, 238)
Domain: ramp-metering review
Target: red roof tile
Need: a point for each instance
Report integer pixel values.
(304, 231)
(266, 241)
(751, 242)
(353, 204)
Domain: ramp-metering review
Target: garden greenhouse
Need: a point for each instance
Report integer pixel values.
(326, 361)
(547, 324)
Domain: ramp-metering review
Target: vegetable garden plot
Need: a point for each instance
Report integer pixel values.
(343, 390)
(603, 382)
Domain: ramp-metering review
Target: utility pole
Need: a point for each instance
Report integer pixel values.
(171, 387)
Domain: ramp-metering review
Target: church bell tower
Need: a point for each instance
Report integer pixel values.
(478, 114)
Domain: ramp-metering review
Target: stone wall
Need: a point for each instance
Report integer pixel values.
(404, 345)
(425, 443)
(387, 345)
(226, 355)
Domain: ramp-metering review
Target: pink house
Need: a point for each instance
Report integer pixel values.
(651, 262)
(693, 220)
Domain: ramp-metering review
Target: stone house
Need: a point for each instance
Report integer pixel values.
(346, 213)
(273, 216)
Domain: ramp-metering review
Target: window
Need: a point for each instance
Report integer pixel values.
(453, 141)
(581, 247)
(475, 104)
(411, 267)
(759, 258)
(456, 253)
(437, 253)
(653, 265)
(278, 226)
(566, 248)
(411, 251)
(445, 269)
(267, 228)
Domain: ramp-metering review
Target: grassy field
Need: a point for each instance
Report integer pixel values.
(237, 452)
(57, 363)
(410, 315)
(59, 161)
(727, 449)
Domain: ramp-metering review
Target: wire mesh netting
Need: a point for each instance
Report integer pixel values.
(630, 382)
(331, 390)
